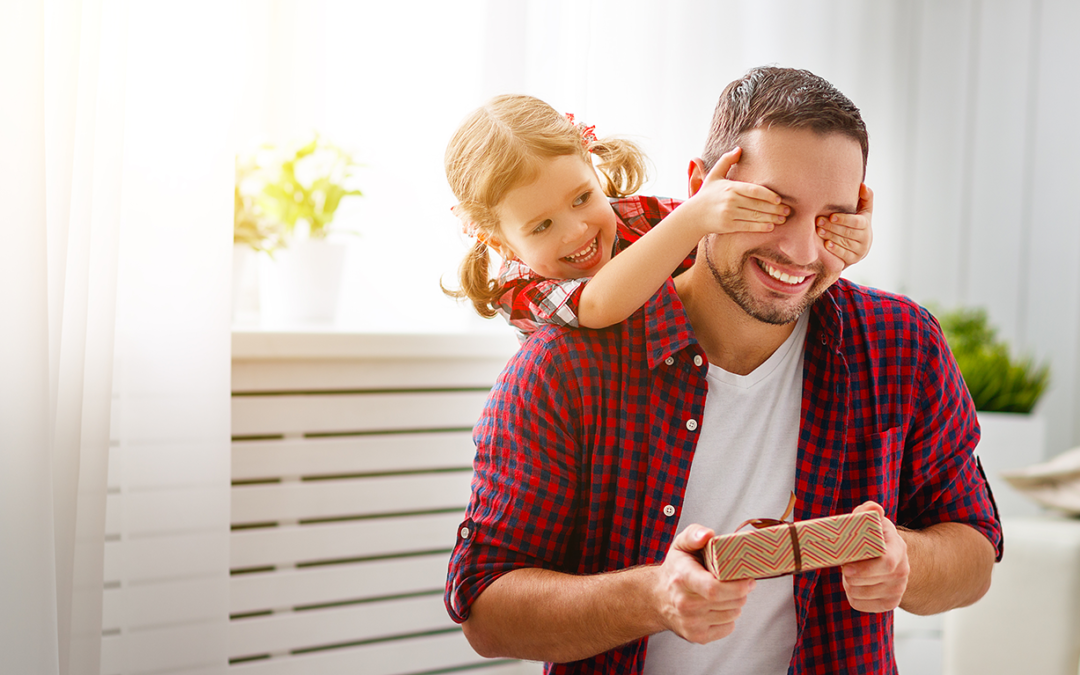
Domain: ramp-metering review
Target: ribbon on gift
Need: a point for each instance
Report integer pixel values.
(762, 523)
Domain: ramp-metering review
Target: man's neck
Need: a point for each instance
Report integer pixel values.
(732, 339)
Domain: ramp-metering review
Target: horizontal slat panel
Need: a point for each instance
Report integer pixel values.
(351, 455)
(337, 625)
(140, 467)
(342, 541)
(360, 496)
(335, 583)
(188, 649)
(112, 660)
(173, 511)
(345, 413)
(138, 560)
(168, 603)
(381, 658)
(323, 375)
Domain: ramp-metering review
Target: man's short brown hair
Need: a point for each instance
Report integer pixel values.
(781, 97)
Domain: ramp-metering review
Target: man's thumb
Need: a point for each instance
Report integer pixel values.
(693, 538)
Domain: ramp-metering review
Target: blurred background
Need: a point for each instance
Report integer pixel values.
(120, 129)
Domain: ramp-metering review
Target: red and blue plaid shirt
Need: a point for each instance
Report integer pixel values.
(585, 446)
(529, 300)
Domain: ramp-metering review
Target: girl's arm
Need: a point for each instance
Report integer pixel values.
(629, 279)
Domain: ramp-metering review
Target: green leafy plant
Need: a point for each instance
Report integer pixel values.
(998, 381)
(251, 226)
(281, 195)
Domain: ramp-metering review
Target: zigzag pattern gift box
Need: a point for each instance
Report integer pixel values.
(787, 548)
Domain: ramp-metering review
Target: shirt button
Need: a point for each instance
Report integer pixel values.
(669, 510)
(669, 361)
(824, 340)
(691, 424)
(464, 533)
(697, 360)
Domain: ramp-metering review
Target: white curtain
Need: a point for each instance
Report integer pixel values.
(115, 171)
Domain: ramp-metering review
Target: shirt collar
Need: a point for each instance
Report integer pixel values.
(668, 329)
(826, 321)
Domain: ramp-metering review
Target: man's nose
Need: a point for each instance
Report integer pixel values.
(798, 239)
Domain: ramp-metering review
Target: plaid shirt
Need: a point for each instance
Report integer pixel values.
(529, 300)
(586, 442)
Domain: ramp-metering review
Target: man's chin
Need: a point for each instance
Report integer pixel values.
(775, 316)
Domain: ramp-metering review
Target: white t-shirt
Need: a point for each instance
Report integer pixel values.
(744, 467)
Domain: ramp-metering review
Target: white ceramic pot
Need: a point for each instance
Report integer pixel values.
(245, 285)
(1011, 441)
(301, 284)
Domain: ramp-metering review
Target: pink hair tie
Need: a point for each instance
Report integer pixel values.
(468, 227)
(588, 133)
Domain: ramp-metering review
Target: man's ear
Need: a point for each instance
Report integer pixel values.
(695, 174)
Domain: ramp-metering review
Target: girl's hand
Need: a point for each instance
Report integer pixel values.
(730, 206)
(848, 236)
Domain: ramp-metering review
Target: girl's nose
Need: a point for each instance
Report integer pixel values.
(575, 230)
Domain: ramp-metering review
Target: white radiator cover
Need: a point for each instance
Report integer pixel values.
(351, 463)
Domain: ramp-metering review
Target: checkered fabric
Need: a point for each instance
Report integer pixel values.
(529, 300)
(586, 442)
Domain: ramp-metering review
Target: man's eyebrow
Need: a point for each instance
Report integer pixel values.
(831, 208)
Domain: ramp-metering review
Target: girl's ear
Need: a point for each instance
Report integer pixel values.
(493, 241)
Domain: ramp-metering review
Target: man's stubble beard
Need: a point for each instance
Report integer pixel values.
(735, 285)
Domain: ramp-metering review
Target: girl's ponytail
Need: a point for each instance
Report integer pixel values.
(622, 164)
(477, 286)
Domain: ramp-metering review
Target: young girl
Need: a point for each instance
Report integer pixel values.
(527, 188)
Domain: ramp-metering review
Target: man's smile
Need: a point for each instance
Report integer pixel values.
(780, 276)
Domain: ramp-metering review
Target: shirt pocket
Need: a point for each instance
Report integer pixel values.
(873, 469)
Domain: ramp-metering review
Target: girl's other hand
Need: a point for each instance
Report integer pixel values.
(848, 235)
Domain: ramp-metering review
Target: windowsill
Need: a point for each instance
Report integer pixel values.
(330, 343)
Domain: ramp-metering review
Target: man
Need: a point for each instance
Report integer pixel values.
(755, 374)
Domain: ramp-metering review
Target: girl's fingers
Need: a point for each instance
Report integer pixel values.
(762, 197)
(848, 256)
(723, 165)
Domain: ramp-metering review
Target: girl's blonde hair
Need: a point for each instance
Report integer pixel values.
(499, 147)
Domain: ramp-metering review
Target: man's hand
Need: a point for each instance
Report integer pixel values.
(848, 235)
(692, 603)
(877, 585)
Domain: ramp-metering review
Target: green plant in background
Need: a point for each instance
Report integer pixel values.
(252, 227)
(998, 382)
(281, 196)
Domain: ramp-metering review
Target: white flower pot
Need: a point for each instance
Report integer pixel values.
(300, 285)
(245, 285)
(1011, 441)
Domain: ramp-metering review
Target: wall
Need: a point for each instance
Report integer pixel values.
(991, 143)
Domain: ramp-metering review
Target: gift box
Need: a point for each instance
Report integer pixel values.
(789, 548)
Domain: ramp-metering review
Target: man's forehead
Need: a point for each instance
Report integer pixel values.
(802, 163)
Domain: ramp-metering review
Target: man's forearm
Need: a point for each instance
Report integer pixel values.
(950, 567)
(541, 615)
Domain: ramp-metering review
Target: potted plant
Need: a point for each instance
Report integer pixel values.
(1006, 388)
(286, 202)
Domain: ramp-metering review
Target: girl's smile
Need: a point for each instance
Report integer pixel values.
(561, 225)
